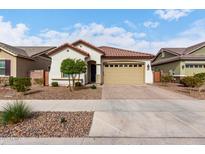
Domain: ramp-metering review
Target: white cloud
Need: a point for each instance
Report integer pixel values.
(172, 14)
(150, 24)
(99, 34)
(130, 24)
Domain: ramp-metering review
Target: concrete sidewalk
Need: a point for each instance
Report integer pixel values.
(101, 141)
(132, 105)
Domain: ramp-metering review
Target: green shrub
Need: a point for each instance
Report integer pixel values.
(11, 81)
(21, 84)
(39, 81)
(14, 113)
(166, 78)
(191, 81)
(93, 87)
(200, 76)
(54, 84)
(78, 84)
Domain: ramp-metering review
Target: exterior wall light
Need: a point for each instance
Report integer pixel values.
(148, 67)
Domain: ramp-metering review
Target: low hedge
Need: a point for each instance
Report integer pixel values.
(54, 84)
(166, 78)
(192, 81)
(21, 84)
(11, 80)
(201, 76)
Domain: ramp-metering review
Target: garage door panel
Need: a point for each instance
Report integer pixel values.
(124, 75)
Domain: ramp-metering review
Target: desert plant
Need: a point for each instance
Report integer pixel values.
(21, 84)
(63, 120)
(54, 84)
(39, 81)
(93, 87)
(191, 81)
(14, 113)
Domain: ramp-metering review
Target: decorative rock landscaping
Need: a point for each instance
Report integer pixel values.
(51, 124)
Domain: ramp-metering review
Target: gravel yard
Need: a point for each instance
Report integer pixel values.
(48, 124)
(50, 93)
(176, 87)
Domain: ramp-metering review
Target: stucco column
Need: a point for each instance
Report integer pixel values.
(98, 73)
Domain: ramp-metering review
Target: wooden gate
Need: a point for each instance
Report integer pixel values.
(157, 76)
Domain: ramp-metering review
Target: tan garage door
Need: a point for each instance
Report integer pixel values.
(131, 74)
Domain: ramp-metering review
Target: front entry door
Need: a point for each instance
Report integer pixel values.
(93, 73)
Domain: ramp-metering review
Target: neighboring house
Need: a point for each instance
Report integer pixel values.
(19, 61)
(180, 62)
(106, 65)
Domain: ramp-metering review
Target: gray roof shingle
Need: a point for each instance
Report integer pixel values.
(181, 53)
(26, 51)
(34, 50)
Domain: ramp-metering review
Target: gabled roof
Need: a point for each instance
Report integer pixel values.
(194, 47)
(88, 44)
(111, 52)
(25, 51)
(36, 50)
(181, 53)
(13, 50)
(67, 45)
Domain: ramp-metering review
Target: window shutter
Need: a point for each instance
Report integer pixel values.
(8, 67)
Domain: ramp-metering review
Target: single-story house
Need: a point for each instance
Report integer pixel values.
(18, 61)
(105, 65)
(180, 62)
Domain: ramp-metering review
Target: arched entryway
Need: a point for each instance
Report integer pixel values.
(91, 71)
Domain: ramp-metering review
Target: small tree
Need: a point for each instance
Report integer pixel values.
(72, 68)
(81, 67)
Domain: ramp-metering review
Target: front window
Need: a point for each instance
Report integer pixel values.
(2, 67)
(65, 75)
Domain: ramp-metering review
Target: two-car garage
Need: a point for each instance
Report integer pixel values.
(124, 73)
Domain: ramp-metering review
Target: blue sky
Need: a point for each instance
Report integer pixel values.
(140, 30)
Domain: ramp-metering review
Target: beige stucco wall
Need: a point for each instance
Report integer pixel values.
(6, 56)
(24, 66)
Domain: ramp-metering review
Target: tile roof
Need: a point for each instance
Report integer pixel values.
(111, 52)
(70, 46)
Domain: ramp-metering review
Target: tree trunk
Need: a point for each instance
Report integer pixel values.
(78, 77)
(69, 83)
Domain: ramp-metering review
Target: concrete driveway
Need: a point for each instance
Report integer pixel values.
(151, 119)
(139, 92)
